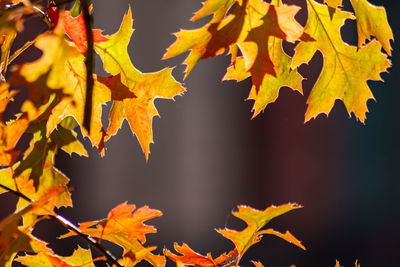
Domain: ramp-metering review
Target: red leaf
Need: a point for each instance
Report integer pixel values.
(75, 29)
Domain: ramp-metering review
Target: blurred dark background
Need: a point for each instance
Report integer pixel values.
(209, 157)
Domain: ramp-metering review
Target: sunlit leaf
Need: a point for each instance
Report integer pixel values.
(146, 87)
(346, 69)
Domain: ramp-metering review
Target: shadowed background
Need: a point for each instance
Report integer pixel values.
(209, 157)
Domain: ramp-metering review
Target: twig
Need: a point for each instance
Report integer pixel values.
(17, 193)
(19, 51)
(70, 226)
(89, 65)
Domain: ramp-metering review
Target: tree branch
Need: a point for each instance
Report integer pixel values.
(89, 65)
(70, 226)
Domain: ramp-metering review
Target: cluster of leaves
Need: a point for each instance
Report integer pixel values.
(62, 88)
(257, 29)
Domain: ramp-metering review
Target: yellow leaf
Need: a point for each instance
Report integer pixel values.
(372, 21)
(37, 178)
(268, 91)
(80, 258)
(146, 87)
(249, 24)
(12, 240)
(255, 220)
(56, 53)
(346, 69)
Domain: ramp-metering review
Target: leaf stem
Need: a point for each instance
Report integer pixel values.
(89, 65)
(70, 226)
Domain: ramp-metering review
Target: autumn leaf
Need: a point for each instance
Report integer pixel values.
(40, 96)
(249, 25)
(268, 91)
(257, 29)
(37, 178)
(67, 141)
(131, 258)
(243, 240)
(146, 87)
(372, 21)
(125, 226)
(12, 240)
(257, 264)
(15, 238)
(61, 71)
(56, 54)
(190, 257)
(80, 258)
(346, 69)
(59, 79)
(278, 22)
(255, 220)
(73, 106)
(216, 7)
(11, 131)
(75, 29)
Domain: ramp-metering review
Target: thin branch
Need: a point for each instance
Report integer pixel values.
(89, 62)
(18, 194)
(70, 226)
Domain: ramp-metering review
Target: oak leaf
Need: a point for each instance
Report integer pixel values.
(37, 178)
(255, 220)
(346, 69)
(15, 238)
(56, 54)
(12, 240)
(146, 87)
(11, 131)
(58, 78)
(243, 240)
(268, 91)
(190, 257)
(80, 257)
(125, 227)
(67, 141)
(372, 21)
(249, 24)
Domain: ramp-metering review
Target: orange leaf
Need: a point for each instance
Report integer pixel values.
(125, 226)
(37, 178)
(257, 264)
(190, 257)
(11, 132)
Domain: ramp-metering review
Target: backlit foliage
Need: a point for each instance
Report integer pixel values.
(252, 31)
